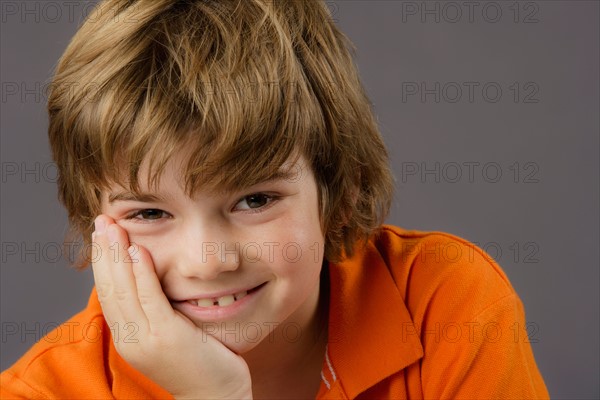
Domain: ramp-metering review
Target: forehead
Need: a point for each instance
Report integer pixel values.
(151, 186)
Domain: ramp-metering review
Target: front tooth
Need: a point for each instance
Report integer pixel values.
(226, 300)
(206, 303)
(241, 295)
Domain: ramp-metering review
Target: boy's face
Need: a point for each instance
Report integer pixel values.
(236, 264)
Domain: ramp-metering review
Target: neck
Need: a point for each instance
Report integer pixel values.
(288, 363)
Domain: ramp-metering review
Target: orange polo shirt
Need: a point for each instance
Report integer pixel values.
(413, 315)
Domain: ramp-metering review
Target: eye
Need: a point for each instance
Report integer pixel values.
(255, 202)
(148, 214)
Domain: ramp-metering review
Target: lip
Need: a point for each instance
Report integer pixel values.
(218, 313)
(219, 294)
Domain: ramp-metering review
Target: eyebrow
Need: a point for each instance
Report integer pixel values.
(155, 198)
(130, 196)
(279, 175)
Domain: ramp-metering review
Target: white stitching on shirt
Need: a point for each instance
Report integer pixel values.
(329, 364)
(325, 380)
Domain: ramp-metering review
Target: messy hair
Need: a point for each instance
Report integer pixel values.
(242, 86)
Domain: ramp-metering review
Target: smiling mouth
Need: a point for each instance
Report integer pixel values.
(224, 301)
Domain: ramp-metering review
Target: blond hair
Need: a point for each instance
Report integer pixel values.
(240, 85)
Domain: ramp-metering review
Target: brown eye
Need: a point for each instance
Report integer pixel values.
(256, 200)
(148, 214)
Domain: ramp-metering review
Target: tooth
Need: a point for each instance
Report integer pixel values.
(241, 295)
(225, 300)
(206, 303)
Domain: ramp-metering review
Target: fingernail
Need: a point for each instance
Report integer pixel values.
(100, 225)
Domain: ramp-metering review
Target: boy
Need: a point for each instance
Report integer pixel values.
(226, 172)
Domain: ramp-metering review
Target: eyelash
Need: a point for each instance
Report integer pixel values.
(270, 200)
(269, 197)
(133, 216)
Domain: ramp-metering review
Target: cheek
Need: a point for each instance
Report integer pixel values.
(299, 251)
(158, 251)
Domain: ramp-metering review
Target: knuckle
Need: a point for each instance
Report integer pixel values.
(104, 290)
(121, 294)
(146, 299)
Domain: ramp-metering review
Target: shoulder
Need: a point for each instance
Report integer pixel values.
(59, 360)
(440, 271)
(441, 309)
(78, 360)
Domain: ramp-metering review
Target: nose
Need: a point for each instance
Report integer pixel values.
(207, 253)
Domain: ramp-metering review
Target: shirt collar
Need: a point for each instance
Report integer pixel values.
(369, 325)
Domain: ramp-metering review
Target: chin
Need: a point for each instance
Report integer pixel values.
(240, 339)
(241, 347)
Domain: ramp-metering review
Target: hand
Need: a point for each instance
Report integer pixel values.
(168, 348)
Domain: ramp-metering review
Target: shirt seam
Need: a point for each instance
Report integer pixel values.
(15, 377)
(463, 241)
(494, 304)
(58, 345)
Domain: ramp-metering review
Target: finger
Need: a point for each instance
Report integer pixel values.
(102, 273)
(153, 300)
(119, 263)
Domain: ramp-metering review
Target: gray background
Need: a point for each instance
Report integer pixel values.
(518, 173)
